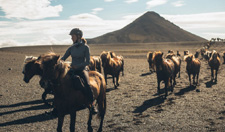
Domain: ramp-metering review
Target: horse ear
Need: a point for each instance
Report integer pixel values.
(162, 54)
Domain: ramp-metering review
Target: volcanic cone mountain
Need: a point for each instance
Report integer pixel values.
(150, 27)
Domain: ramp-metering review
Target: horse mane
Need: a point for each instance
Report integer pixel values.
(109, 56)
(156, 55)
(189, 56)
(29, 59)
(170, 55)
(214, 55)
(62, 66)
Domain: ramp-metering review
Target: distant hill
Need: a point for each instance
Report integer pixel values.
(150, 27)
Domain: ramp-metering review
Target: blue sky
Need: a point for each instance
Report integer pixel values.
(47, 22)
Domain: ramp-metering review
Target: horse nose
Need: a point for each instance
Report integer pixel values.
(26, 80)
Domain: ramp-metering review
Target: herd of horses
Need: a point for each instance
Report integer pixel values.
(69, 99)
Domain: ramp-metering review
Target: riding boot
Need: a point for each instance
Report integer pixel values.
(91, 99)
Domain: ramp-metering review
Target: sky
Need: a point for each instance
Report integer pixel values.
(48, 22)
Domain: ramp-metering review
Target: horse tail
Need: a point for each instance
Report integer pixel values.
(102, 98)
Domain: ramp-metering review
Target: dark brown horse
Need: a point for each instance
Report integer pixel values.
(177, 63)
(214, 63)
(150, 61)
(224, 57)
(32, 68)
(192, 67)
(112, 66)
(69, 99)
(164, 70)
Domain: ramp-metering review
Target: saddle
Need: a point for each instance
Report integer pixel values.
(77, 80)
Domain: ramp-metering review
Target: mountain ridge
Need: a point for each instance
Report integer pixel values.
(150, 27)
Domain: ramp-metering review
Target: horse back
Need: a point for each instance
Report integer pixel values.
(169, 66)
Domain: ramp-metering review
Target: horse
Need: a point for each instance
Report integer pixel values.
(214, 63)
(164, 70)
(112, 66)
(120, 57)
(224, 57)
(32, 68)
(95, 64)
(150, 61)
(177, 63)
(68, 98)
(178, 53)
(192, 67)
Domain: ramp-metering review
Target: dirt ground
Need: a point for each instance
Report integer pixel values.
(133, 107)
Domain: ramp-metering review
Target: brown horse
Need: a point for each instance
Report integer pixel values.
(164, 70)
(95, 64)
(150, 61)
(32, 68)
(224, 57)
(192, 67)
(112, 66)
(214, 63)
(69, 99)
(177, 63)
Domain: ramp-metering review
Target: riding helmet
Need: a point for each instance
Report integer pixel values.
(76, 31)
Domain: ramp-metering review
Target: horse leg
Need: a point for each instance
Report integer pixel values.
(44, 98)
(212, 75)
(158, 88)
(189, 75)
(90, 129)
(102, 109)
(72, 121)
(60, 123)
(216, 75)
(105, 78)
(117, 79)
(166, 87)
(113, 78)
(197, 78)
(174, 82)
(47, 91)
(194, 78)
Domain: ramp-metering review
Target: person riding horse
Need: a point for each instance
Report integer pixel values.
(79, 51)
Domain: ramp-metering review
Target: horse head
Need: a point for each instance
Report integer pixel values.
(158, 57)
(215, 55)
(103, 57)
(188, 58)
(31, 68)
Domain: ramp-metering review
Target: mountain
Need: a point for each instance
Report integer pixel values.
(150, 27)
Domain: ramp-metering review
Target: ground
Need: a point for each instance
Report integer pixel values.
(134, 106)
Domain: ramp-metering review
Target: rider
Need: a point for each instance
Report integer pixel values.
(79, 51)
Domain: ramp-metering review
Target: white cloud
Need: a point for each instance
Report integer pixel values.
(203, 20)
(49, 32)
(108, 0)
(178, 3)
(96, 10)
(154, 3)
(131, 1)
(206, 25)
(29, 9)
